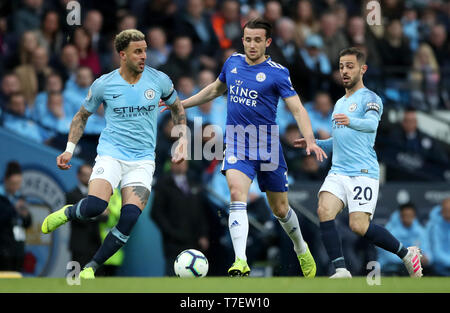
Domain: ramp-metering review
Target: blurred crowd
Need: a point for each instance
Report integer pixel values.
(47, 66)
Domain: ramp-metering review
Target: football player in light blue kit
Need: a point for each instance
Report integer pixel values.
(353, 178)
(254, 84)
(126, 149)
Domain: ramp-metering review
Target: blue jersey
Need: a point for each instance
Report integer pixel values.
(130, 111)
(352, 145)
(253, 94)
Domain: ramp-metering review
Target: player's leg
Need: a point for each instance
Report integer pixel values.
(363, 196)
(378, 235)
(278, 202)
(105, 176)
(239, 185)
(329, 206)
(136, 186)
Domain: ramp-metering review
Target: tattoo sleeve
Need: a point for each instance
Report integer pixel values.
(78, 124)
(178, 114)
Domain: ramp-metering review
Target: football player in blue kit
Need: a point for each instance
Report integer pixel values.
(126, 149)
(353, 178)
(255, 83)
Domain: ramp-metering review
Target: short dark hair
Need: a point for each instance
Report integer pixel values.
(360, 56)
(259, 23)
(12, 168)
(408, 205)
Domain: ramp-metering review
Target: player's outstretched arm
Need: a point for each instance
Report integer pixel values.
(210, 92)
(76, 131)
(179, 121)
(304, 124)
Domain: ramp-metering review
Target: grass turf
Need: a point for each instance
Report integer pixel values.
(227, 285)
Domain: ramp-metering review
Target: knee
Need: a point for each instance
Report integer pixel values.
(324, 213)
(358, 227)
(236, 194)
(280, 208)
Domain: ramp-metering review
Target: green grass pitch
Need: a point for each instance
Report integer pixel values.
(227, 285)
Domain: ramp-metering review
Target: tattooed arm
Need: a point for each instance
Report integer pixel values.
(76, 131)
(179, 130)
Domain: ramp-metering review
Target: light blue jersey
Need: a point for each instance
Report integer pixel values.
(352, 145)
(131, 113)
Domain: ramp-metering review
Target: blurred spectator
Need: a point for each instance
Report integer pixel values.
(14, 219)
(333, 38)
(392, 9)
(438, 239)
(74, 94)
(68, 63)
(185, 87)
(54, 84)
(195, 24)
(440, 43)
(158, 50)
(395, 51)
(33, 76)
(284, 49)
(425, 80)
(55, 119)
(213, 112)
(181, 61)
(127, 21)
(93, 24)
(320, 114)
(305, 21)
(272, 12)
(15, 119)
(311, 169)
(49, 35)
(163, 14)
(176, 196)
(410, 154)
(227, 24)
(24, 54)
(411, 27)
(358, 34)
(84, 235)
(404, 225)
(10, 85)
(28, 16)
(87, 56)
(315, 67)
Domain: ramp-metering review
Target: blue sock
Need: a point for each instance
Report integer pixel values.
(117, 237)
(332, 243)
(382, 238)
(86, 208)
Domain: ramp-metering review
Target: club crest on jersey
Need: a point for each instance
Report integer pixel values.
(352, 107)
(149, 94)
(232, 159)
(261, 77)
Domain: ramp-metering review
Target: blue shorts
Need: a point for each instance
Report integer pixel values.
(271, 177)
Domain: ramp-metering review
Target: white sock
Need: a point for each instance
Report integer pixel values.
(292, 228)
(238, 226)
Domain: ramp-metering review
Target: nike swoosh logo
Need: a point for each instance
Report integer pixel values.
(115, 96)
(363, 203)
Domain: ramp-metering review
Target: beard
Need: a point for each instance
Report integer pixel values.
(350, 84)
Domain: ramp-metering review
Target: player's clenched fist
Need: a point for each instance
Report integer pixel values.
(62, 160)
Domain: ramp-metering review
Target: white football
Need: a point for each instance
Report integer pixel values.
(191, 263)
